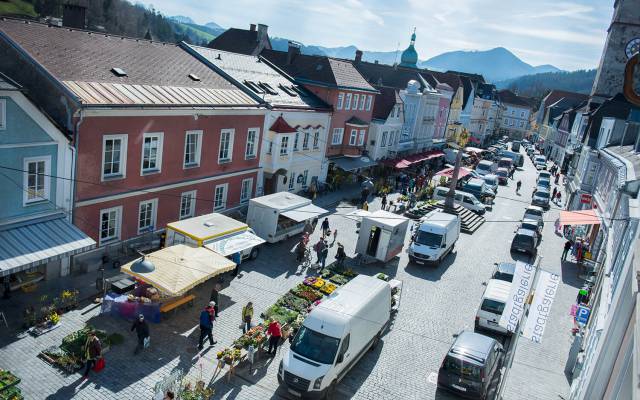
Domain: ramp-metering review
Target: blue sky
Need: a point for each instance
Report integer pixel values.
(567, 34)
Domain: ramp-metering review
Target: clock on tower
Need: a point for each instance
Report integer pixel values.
(632, 47)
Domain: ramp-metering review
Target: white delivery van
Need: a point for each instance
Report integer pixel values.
(334, 336)
(434, 237)
(464, 199)
(217, 232)
(492, 305)
(278, 216)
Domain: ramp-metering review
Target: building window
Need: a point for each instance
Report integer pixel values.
(513, 112)
(37, 179)
(110, 221)
(220, 197)
(245, 190)
(316, 140)
(270, 148)
(226, 146)
(192, 148)
(347, 105)
(305, 141)
(340, 101)
(506, 121)
(336, 138)
(369, 99)
(3, 114)
(292, 179)
(361, 138)
(152, 152)
(511, 123)
(284, 146)
(383, 141)
(147, 215)
(295, 141)
(114, 156)
(356, 98)
(363, 99)
(521, 124)
(305, 177)
(188, 204)
(353, 137)
(252, 140)
(392, 137)
(521, 114)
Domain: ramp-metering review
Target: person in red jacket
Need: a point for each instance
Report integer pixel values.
(275, 333)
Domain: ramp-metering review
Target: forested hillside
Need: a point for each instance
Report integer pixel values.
(537, 85)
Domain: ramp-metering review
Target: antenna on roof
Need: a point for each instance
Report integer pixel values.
(395, 60)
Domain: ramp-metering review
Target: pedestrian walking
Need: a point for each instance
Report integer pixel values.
(340, 255)
(567, 246)
(308, 228)
(274, 331)
(206, 328)
(236, 258)
(318, 248)
(92, 352)
(215, 296)
(557, 179)
(559, 198)
(511, 171)
(555, 191)
(518, 185)
(335, 236)
(142, 331)
(325, 227)
(384, 201)
(211, 308)
(324, 254)
(247, 315)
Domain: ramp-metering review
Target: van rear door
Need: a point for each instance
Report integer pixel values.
(460, 375)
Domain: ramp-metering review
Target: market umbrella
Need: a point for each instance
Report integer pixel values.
(178, 268)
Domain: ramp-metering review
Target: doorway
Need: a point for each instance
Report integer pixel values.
(374, 239)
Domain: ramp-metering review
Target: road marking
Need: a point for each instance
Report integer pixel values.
(433, 378)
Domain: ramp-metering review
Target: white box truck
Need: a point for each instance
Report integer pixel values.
(434, 237)
(334, 336)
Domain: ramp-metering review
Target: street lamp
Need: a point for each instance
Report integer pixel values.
(462, 141)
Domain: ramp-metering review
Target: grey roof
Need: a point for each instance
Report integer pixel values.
(472, 344)
(156, 73)
(628, 153)
(7, 84)
(244, 68)
(27, 244)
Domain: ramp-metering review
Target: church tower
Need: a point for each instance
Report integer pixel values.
(409, 57)
(623, 40)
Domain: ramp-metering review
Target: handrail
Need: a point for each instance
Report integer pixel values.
(629, 91)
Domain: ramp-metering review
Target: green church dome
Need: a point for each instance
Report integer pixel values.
(409, 57)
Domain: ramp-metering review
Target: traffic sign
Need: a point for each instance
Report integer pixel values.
(585, 198)
(582, 315)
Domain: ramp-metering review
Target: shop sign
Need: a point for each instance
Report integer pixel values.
(546, 289)
(514, 309)
(582, 315)
(585, 198)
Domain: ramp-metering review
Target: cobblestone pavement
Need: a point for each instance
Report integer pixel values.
(436, 304)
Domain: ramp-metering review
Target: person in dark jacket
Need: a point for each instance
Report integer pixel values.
(142, 330)
(92, 352)
(206, 328)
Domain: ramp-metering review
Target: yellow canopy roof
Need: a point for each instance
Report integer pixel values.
(179, 268)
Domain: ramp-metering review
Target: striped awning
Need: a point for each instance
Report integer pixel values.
(28, 244)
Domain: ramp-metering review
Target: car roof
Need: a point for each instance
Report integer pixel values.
(472, 345)
(497, 290)
(506, 268)
(490, 176)
(542, 189)
(530, 221)
(525, 232)
(503, 169)
(475, 181)
(536, 208)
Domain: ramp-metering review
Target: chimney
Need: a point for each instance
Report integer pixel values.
(262, 32)
(74, 16)
(292, 51)
(358, 56)
(375, 62)
(252, 27)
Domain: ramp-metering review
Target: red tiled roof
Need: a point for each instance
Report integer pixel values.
(282, 126)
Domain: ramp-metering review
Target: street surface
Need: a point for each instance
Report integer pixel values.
(437, 303)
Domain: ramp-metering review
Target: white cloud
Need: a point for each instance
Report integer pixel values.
(550, 34)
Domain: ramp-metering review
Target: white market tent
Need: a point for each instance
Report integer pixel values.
(179, 268)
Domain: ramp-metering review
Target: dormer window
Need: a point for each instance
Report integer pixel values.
(254, 86)
(267, 88)
(288, 90)
(118, 72)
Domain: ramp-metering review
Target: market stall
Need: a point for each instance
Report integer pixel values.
(381, 235)
(164, 278)
(280, 215)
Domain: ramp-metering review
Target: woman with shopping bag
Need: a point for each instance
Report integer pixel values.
(93, 354)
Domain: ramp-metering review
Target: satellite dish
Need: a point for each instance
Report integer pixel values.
(143, 266)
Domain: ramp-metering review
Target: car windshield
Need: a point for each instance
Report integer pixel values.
(492, 306)
(503, 276)
(502, 173)
(483, 167)
(490, 181)
(544, 182)
(535, 213)
(544, 195)
(523, 240)
(530, 226)
(460, 367)
(428, 239)
(315, 346)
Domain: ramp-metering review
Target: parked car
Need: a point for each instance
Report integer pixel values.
(531, 224)
(492, 181)
(525, 241)
(434, 238)
(504, 271)
(544, 175)
(503, 175)
(492, 305)
(478, 188)
(471, 364)
(530, 150)
(541, 197)
(535, 213)
(466, 200)
(505, 162)
(545, 183)
(540, 165)
(485, 167)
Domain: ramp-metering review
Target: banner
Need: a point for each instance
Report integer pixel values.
(520, 287)
(546, 289)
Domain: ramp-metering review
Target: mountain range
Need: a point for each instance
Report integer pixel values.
(498, 64)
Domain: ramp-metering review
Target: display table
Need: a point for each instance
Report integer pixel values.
(119, 305)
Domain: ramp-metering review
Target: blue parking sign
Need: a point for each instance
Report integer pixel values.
(582, 315)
